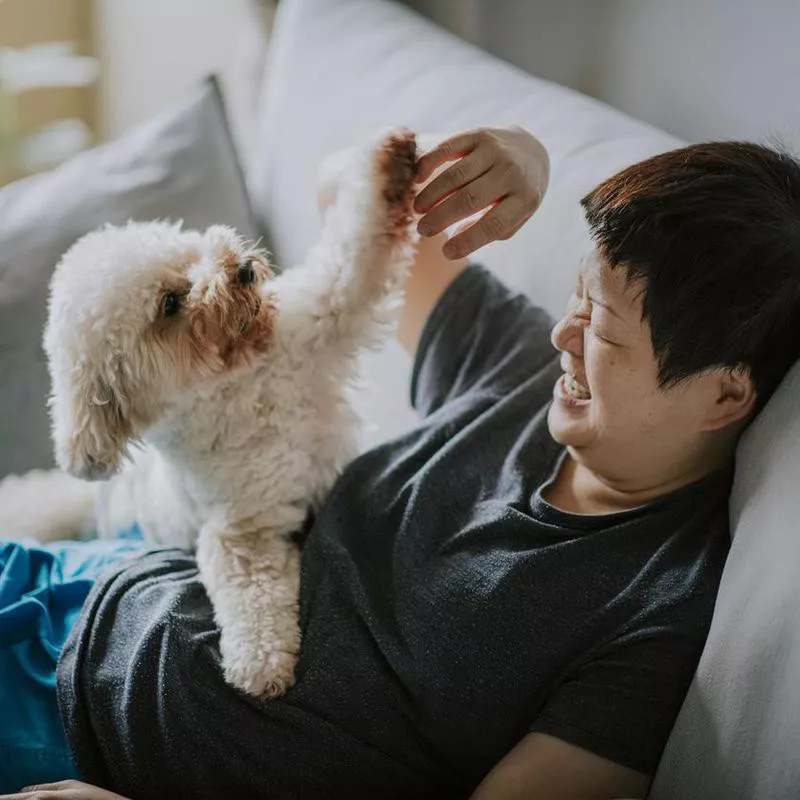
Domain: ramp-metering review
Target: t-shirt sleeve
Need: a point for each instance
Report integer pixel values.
(623, 704)
(480, 335)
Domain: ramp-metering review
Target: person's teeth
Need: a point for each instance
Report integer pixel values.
(577, 390)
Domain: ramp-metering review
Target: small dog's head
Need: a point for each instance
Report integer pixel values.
(138, 316)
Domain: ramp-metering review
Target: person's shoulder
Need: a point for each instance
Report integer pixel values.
(696, 547)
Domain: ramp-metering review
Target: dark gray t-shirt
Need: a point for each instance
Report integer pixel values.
(446, 608)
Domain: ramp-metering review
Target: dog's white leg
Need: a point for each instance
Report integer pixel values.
(253, 582)
(47, 506)
(350, 286)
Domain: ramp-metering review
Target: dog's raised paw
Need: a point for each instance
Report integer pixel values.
(396, 164)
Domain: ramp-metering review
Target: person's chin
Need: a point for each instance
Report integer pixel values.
(564, 428)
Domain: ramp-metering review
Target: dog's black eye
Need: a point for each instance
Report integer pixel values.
(171, 304)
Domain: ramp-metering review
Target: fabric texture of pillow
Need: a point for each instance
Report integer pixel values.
(179, 165)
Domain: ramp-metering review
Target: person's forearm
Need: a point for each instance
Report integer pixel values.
(430, 275)
(543, 767)
(63, 790)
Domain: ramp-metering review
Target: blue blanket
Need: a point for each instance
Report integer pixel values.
(42, 590)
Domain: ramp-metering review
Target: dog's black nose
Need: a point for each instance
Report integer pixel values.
(246, 272)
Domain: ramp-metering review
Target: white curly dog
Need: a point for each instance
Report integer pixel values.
(235, 380)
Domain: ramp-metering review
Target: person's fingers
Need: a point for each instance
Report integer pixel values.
(463, 203)
(499, 222)
(456, 176)
(448, 150)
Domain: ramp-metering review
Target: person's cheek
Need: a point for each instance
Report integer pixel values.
(610, 394)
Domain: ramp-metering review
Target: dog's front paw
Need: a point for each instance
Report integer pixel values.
(395, 162)
(269, 677)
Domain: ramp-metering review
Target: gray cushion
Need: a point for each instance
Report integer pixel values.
(180, 165)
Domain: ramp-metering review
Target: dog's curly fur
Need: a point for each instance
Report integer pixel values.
(236, 381)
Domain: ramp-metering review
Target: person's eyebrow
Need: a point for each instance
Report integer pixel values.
(600, 303)
(607, 307)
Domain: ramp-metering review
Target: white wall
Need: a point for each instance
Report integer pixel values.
(706, 68)
(153, 50)
(698, 68)
(463, 17)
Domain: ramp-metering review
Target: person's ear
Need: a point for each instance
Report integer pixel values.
(734, 397)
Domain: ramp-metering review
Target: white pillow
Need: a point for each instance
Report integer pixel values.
(340, 69)
(738, 734)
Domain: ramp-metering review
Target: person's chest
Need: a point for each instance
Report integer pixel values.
(454, 608)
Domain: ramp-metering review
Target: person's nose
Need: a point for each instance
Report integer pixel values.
(567, 335)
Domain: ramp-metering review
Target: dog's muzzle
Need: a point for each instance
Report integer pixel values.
(246, 274)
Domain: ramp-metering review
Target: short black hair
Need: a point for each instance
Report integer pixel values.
(712, 232)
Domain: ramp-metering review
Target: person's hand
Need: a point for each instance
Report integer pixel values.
(63, 790)
(504, 170)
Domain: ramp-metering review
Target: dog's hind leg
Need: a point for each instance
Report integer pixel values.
(253, 581)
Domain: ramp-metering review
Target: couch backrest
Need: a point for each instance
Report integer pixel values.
(339, 69)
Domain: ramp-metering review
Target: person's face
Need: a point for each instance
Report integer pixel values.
(607, 407)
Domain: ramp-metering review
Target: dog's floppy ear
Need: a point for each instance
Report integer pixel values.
(91, 423)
